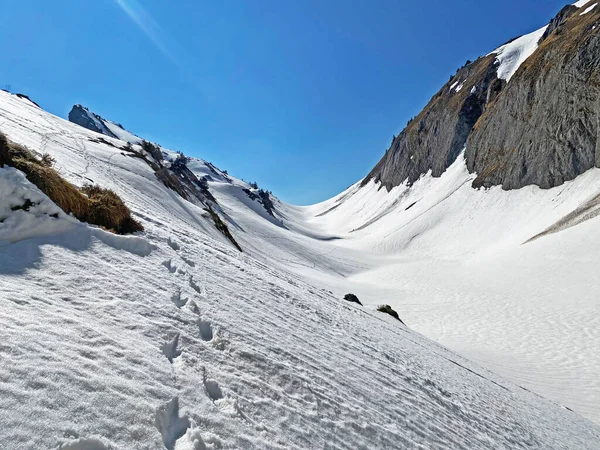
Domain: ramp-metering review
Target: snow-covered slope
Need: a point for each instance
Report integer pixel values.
(174, 339)
(453, 261)
(510, 56)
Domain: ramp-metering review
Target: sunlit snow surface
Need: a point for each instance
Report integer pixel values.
(589, 9)
(512, 55)
(173, 339)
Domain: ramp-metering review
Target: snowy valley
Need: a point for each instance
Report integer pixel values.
(176, 338)
(222, 325)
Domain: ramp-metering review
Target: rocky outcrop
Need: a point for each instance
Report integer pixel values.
(434, 139)
(558, 20)
(544, 127)
(352, 299)
(263, 197)
(84, 117)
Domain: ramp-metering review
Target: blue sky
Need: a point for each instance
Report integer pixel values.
(302, 96)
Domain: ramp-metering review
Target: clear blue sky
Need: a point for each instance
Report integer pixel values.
(302, 96)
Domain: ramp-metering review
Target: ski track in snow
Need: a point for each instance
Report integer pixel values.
(185, 343)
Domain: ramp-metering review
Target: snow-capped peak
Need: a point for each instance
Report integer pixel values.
(83, 116)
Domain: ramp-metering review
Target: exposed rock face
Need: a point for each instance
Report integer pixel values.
(82, 116)
(558, 20)
(434, 139)
(544, 128)
(263, 198)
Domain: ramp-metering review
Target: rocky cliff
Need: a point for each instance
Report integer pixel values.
(433, 139)
(524, 119)
(82, 116)
(544, 128)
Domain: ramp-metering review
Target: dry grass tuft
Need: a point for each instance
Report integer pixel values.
(108, 210)
(101, 206)
(63, 193)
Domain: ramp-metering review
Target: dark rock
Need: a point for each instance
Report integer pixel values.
(542, 128)
(558, 20)
(153, 149)
(27, 98)
(352, 298)
(434, 139)
(263, 197)
(388, 310)
(84, 117)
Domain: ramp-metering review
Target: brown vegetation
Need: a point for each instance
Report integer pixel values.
(100, 207)
(107, 210)
(222, 227)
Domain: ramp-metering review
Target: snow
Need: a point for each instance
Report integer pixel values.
(510, 56)
(120, 133)
(19, 221)
(589, 9)
(173, 339)
(454, 265)
(112, 129)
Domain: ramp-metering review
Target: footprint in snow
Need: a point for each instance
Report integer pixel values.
(206, 332)
(174, 245)
(169, 265)
(211, 387)
(194, 307)
(169, 349)
(196, 286)
(169, 424)
(177, 300)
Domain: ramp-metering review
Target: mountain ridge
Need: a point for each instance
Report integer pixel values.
(480, 120)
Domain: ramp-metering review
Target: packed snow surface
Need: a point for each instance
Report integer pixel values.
(510, 56)
(581, 3)
(174, 339)
(25, 212)
(589, 9)
(120, 133)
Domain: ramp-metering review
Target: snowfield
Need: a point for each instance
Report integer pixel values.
(172, 339)
(512, 55)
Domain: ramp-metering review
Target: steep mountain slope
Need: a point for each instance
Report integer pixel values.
(83, 116)
(433, 139)
(544, 128)
(507, 279)
(174, 339)
(529, 111)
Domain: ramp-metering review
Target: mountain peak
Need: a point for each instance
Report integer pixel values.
(81, 115)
